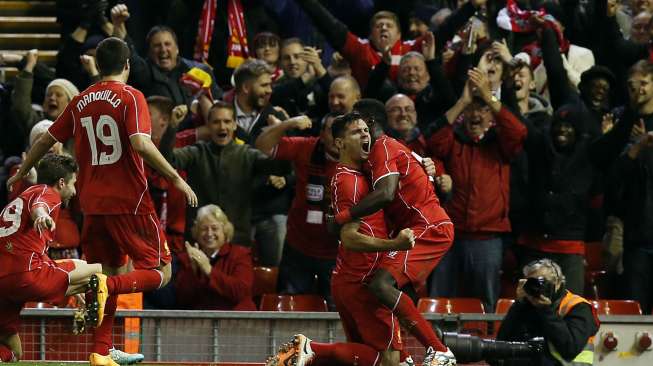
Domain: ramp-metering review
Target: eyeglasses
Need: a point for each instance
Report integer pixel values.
(399, 109)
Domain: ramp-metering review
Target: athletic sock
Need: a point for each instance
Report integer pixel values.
(102, 340)
(415, 323)
(346, 353)
(403, 355)
(6, 354)
(139, 280)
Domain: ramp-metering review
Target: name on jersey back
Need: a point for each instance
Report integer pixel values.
(106, 95)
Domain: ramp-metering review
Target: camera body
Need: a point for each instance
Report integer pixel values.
(536, 286)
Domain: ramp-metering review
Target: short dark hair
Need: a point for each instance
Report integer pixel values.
(373, 112)
(53, 167)
(111, 55)
(250, 70)
(163, 104)
(292, 40)
(265, 38)
(158, 29)
(341, 122)
(219, 104)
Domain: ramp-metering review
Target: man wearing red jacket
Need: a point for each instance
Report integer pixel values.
(477, 154)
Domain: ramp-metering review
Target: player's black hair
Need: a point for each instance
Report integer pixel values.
(53, 167)
(341, 122)
(373, 111)
(111, 56)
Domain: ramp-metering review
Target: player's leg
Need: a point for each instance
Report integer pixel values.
(80, 275)
(11, 350)
(306, 352)
(389, 358)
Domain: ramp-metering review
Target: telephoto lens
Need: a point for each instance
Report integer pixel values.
(468, 348)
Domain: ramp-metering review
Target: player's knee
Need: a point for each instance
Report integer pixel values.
(389, 358)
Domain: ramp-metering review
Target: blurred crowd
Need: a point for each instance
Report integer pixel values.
(537, 113)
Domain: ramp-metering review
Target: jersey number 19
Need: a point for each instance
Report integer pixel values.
(111, 139)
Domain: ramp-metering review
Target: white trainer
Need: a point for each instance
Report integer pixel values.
(436, 358)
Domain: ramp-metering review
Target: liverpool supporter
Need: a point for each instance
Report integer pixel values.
(477, 153)
(110, 125)
(402, 187)
(27, 225)
(311, 250)
(344, 92)
(214, 274)
(385, 34)
(371, 329)
(266, 47)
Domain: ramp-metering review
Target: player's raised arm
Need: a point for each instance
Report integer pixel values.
(147, 150)
(357, 242)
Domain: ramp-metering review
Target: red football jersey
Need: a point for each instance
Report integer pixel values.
(348, 187)
(111, 174)
(19, 242)
(415, 202)
(307, 230)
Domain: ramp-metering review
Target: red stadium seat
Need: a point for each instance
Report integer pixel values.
(265, 280)
(274, 302)
(502, 307)
(460, 305)
(617, 307)
(595, 273)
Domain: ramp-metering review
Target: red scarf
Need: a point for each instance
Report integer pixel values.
(237, 49)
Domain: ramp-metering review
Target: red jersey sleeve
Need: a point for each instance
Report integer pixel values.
(383, 160)
(63, 127)
(344, 191)
(137, 115)
(44, 196)
(294, 148)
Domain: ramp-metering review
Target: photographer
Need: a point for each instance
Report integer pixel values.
(545, 308)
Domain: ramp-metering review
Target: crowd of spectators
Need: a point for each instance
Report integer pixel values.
(539, 147)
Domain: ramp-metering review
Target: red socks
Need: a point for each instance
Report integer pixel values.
(102, 340)
(6, 355)
(346, 353)
(415, 323)
(138, 280)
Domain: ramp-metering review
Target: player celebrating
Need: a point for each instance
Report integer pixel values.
(371, 328)
(403, 189)
(26, 272)
(110, 124)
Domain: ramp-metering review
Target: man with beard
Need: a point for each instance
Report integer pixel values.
(477, 154)
(385, 35)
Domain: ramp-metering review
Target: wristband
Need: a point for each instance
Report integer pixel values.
(343, 217)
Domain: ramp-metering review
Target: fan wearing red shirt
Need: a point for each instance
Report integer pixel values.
(402, 188)
(27, 226)
(110, 125)
(372, 330)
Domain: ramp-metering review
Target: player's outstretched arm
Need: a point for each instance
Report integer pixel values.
(357, 242)
(384, 192)
(147, 150)
(271, 135)
(40, 148)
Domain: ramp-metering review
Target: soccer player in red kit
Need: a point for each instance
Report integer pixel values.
(402, 188)
(110, 125)
(27, 225)
(372, 330)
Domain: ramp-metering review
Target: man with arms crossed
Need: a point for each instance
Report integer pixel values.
(110, 124)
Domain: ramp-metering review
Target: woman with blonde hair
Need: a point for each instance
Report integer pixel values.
(214, 274)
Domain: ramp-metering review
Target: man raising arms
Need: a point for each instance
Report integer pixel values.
(110, 124)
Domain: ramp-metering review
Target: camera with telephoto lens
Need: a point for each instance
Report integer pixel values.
(468, 348)
(536, 286)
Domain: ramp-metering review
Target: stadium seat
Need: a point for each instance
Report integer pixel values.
(617, 307)
(265, 280)
(502, 307)
(595, 273)
(460, 305)
(274, 302)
